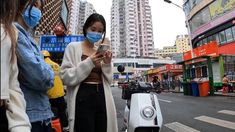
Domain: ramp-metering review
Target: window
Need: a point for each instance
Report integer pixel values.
(204, 71)
(204, 41)
(222, 38)
(193, 73)
(229, 35)
(233, 29)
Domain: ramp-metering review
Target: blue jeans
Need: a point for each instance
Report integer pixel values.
(42, 126)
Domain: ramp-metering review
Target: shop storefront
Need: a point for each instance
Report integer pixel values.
(208, 66)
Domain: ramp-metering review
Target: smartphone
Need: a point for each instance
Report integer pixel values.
(103, 47)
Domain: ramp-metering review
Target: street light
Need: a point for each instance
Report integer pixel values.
(170, 2)
(187, 25)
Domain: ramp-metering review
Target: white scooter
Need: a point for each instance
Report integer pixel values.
(142, 111)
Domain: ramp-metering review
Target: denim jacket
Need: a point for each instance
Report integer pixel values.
(35, 77)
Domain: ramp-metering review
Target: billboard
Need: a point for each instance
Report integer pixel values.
(58, 44)
(220, 7)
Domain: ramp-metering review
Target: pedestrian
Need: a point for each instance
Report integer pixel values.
(13, 117)
(226, 87)
(35, 75)
(56, 94)
(88, 76)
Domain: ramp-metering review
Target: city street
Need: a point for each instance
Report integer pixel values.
(189, 114)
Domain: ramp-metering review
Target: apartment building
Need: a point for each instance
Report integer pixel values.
(131, 28)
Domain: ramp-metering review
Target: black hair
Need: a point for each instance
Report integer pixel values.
(95, 17)
(24, 4)
(32, 4)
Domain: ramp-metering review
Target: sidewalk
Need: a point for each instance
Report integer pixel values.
(219, 93)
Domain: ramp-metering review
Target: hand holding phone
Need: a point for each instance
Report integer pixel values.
(103, 47)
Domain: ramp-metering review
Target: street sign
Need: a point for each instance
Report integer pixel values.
(58, 43)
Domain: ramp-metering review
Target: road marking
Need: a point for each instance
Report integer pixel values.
(178, 127)
(168, 101)
(218, 122)
(228, 112)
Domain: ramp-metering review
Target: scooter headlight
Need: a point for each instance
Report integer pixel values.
(148, 112)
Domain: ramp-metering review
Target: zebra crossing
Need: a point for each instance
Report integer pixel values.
(179, 127)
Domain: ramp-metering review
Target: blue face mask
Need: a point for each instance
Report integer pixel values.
(93, 37)
(33, 19)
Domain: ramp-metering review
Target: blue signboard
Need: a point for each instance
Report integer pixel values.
(58, 44)
(115, 76)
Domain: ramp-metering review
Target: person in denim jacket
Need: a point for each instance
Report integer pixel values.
(35, 76)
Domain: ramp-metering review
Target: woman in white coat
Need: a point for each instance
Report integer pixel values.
(88, 75)
(13, 117)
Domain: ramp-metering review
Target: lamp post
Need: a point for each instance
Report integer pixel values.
(187, 25)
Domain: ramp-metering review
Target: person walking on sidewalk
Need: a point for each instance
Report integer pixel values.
(56, 94)
(225, 84)
(13, 117)
(35, 76)
(88, 76)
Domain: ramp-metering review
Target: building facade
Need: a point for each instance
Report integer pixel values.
(59, 12)
(134, 67)
(167, 51)
(131, 28)
(182, 43)
(74, 17)
(85, 10)
(212, 26)
(51, 17)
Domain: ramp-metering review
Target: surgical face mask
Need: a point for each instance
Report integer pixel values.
(93, 37)
(33, 18)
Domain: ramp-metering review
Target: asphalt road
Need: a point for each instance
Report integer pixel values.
(189, 114)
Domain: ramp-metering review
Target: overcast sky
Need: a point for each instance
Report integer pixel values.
(168, 20)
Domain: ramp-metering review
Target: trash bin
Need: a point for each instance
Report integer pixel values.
(190, 91)
(187, 88)
(195, 90)
(203, 88)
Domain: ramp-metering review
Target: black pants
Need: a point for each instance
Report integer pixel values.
(58, 106)
(90, 109)
(3, 120)
(41, 126)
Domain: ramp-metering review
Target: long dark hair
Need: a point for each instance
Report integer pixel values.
(95, 17)
(8, 12)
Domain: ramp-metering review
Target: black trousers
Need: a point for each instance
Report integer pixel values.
(90, 114)
(42, 126)
(3, 120)
(58, 106)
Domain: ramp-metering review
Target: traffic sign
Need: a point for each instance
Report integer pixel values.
(58, 43)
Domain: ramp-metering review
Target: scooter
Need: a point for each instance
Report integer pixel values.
(142, 111)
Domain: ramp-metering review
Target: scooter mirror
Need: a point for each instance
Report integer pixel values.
(121, 68)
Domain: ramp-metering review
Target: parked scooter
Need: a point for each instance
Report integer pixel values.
(142, 111)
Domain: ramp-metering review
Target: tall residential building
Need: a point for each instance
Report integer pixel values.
(182, 43)
(85, 10)
(56, 12)
(51, 17)
(74, 17)
(131, 28)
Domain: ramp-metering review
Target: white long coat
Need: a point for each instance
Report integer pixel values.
(74, 71)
